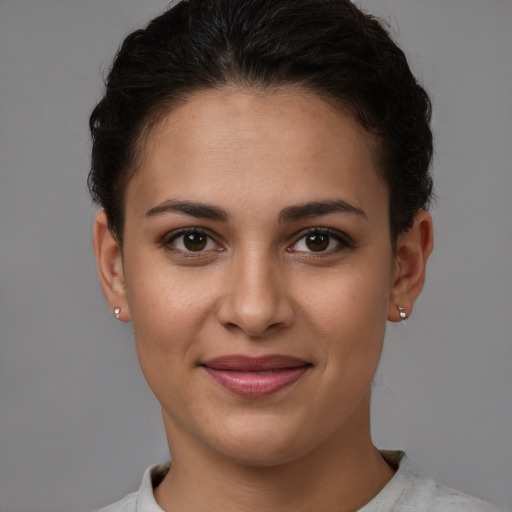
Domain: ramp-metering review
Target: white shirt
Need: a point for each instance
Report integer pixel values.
(405, 492)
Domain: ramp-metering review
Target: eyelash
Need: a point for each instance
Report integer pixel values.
(168, 242)
(342, 241)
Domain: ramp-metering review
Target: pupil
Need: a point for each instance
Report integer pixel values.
(195, 241)
(317, 242)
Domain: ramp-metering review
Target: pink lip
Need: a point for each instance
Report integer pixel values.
(256, 376)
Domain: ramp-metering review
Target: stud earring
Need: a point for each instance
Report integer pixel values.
(117, 313)
(402, 312)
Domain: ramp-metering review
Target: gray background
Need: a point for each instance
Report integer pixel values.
(77, 423)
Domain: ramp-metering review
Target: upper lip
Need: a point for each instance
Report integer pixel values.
(244, 363)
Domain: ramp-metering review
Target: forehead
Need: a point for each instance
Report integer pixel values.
(231, 142)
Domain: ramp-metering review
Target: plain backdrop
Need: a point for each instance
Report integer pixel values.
(78, 425)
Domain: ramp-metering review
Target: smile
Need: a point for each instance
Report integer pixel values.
(256, 376)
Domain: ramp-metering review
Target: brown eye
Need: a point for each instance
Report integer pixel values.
(317, 242)
(192, 240)
(320, 240)
(195, 241)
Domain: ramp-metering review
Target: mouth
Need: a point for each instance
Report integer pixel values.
(256, 376)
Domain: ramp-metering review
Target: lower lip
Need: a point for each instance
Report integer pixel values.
(257, 384)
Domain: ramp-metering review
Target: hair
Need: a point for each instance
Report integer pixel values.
(328, 47)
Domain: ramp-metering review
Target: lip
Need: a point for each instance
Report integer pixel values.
(256, 376)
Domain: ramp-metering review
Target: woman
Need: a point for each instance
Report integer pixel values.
(263, 173)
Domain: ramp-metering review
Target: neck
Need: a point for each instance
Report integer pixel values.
(344, 474)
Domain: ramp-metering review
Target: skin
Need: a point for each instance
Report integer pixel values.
(258, 288)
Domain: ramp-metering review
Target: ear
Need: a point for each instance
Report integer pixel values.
(110, 266)
(413, 249)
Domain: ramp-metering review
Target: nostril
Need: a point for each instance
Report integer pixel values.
(255, 304)
(254, 330)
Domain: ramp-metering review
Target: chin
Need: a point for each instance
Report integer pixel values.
(262, 445)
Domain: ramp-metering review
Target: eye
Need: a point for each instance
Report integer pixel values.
(318, 241)
(191, 240)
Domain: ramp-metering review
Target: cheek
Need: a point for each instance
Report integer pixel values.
(347, 312)
(168, 308)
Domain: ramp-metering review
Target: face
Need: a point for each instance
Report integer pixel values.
(258, 272)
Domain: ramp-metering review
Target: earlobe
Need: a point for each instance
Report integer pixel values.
(413, 249)
(110, 266)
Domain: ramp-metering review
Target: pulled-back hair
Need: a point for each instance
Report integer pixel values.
(328, 47)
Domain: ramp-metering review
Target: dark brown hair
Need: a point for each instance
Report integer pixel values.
(329, 47)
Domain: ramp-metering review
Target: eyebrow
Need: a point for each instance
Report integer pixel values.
(290, 213)
(318, 208)
(194, 209)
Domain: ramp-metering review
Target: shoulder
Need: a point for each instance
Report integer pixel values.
(127, 504)
(422, 494)
(425, 494)
(143, 500)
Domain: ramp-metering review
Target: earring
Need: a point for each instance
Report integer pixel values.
(117, 313)
(403, 313)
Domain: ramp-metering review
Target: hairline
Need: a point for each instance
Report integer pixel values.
(153, 121)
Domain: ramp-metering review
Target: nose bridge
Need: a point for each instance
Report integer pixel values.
(256, 297)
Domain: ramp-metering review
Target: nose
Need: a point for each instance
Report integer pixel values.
(256, 298)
